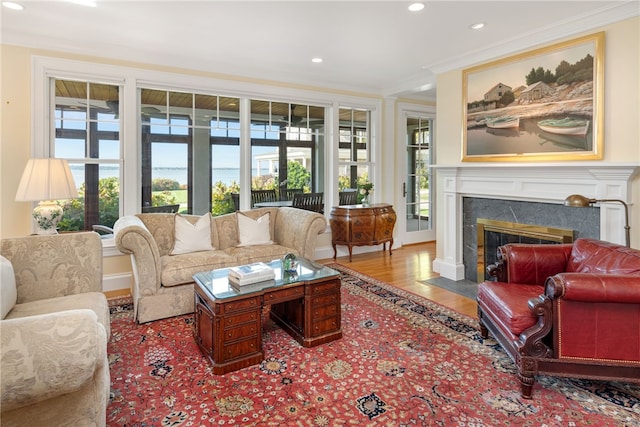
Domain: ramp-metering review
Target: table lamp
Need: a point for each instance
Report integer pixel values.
(46, 180)
(578, 201)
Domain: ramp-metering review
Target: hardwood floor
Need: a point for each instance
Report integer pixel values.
(404, 269)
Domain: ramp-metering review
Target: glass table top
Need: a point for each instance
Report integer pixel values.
(216, 282)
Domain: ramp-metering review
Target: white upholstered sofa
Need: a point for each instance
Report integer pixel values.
(163, 282)
(54, 331)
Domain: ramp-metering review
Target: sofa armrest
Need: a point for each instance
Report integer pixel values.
(53, 266)
(49, 355)
(134, 238)
(298, 229)
(530, 263)
(591, 287)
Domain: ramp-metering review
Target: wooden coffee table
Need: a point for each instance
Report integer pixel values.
(228, 321)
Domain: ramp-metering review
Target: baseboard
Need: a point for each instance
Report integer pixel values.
(117, 283)
(326, 252)
(448, 270)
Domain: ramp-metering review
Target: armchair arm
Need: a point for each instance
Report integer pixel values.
(49, 355)
(299, 229)
(530, 263)
(54, 266)
(134, 238)
(592, 287)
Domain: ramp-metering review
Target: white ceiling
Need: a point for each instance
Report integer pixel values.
(372, 46)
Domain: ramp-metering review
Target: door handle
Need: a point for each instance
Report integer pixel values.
(404, 189)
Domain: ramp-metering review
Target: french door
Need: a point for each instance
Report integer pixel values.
(415, 207)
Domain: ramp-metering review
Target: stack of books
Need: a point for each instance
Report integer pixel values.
(251, 273)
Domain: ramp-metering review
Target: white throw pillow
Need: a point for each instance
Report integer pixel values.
(192, 237)
(254, 231)
(8, 291)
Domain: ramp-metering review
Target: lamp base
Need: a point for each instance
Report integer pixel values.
(47, 215)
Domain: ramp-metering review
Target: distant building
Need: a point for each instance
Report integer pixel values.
(536, 91)
(517, 91)
(496, 92)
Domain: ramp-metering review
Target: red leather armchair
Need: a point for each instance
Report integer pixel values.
(570, 310)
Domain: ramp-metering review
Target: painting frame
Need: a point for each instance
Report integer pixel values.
(546, 111)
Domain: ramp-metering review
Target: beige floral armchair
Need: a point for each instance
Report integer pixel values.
(54, 331)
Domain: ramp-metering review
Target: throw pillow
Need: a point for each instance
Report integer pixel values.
(254, 231)
(8, 291)
(192, 237)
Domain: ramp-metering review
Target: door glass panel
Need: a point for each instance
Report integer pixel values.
(418, 191)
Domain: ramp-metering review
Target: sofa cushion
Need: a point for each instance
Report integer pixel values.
(254, 231)
(94, 301)
(8, 290)
(190, 237)
(509, 304)
(179, 269)
(597, 256)
(259, 253)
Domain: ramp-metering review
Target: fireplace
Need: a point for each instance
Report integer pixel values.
(527, 194)
(493, 234)
(537, 221)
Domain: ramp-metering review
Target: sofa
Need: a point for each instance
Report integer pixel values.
(54, 331)
(568, 310)
(163, 279)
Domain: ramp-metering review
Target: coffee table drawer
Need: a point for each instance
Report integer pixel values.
(325, 299)
(239, 319)
(321, 288)
(242, 304)
(241, 348)
(330, 324)
(326, 310)
(283, 295)
(240, 332)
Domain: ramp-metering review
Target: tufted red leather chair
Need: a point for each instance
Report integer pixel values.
(569, 310)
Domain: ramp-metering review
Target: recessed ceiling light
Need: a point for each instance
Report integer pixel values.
(317, 60)
(12, 5)
(415, 7)
(477, 26)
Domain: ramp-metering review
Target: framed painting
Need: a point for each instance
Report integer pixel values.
(541, 105)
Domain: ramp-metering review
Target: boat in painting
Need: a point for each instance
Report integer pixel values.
(568, 142)
(504, 122)
(566, 126)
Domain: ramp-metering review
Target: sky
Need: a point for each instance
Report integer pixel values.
(512, 71)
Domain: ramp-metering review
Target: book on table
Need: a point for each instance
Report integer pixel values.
(251, 273)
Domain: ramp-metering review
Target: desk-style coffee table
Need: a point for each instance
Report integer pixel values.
(228, 320)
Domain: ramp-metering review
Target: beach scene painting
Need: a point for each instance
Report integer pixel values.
(545, 104)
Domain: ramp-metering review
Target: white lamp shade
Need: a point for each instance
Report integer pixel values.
(46, 179)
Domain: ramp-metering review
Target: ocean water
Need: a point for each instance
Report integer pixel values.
(226, 175)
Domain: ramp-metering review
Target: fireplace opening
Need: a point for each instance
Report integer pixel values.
(493, 233)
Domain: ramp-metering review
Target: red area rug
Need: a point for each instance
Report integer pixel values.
(403, 361)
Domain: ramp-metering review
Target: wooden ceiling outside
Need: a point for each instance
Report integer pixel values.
(181, 100)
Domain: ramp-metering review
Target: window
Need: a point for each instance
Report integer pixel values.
(122, 129)
(187, 138)
(285, 141)
(87, 134)
(354, 153)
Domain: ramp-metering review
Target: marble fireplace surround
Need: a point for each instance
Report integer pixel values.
(541, 183)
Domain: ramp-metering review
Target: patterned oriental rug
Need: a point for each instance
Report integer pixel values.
(403, 361)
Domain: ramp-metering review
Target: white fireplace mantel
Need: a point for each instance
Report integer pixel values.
(542, 183)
